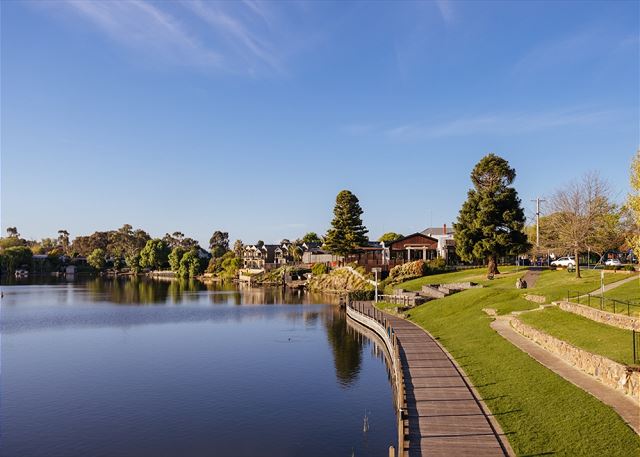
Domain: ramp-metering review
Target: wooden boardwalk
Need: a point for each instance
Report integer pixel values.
(445, 418)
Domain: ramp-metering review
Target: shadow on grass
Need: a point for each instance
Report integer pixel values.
(513, 411)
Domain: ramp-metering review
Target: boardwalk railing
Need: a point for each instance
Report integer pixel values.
(375, 320)
(604, 303)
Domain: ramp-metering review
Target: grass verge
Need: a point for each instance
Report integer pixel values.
(554, 284)
(611, 342)
(626, 292)
(540, 412)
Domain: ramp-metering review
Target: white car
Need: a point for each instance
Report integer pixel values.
(613, 263)
(564, 262)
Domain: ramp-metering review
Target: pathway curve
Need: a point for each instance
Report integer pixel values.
(622, 404)
(613, 285)
(446, 415)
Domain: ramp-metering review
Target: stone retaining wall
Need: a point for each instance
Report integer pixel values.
(535, 298)
(463, 285)
(608, 372)
(605, 317)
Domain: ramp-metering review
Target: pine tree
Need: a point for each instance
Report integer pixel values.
(491, 222)
(347, 231)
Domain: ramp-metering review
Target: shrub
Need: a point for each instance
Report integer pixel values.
(319, 269)
(361, 295)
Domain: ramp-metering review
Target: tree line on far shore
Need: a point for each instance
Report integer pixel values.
(581, 217)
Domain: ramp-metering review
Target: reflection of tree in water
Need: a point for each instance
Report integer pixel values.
(346, 347)
(140, 290)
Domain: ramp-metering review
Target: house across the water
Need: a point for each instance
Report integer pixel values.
(416, 246)
(429, 244)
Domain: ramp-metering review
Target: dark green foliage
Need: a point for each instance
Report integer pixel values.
(11, 242)
(219, 243)
(191, 265)
(361, 295)
(97, 259)
(133, 262)
(115, 243)
(491, 222)
(311, 237)
(319, 269)
(175, 257)
(178, 239)
(15, 257)
(12, 232)
(347, 232)
(226, 266)
(389, 237)
(155, 255)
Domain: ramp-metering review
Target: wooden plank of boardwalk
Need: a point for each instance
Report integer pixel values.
(445, 418)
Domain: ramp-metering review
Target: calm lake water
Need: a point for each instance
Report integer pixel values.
(146, 368)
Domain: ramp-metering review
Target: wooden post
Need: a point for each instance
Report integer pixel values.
(392, 452)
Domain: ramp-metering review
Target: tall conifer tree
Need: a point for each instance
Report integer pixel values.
(491, 222)
(347, 231)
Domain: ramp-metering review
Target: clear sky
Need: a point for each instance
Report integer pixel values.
(251, 116)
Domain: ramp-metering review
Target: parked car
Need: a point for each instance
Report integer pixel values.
(564, 262)
(613, 263)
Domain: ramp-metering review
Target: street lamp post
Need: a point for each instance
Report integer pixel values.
(375, 272)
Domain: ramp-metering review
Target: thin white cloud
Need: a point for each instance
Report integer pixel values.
(445, 7)
(497, 124)
(143, 26)
(244, 37)
(238, 32)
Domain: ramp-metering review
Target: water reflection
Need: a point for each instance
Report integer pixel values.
(143, 291)
(346, 348)
(126, 355)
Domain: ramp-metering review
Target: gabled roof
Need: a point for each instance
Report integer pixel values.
(421, 234)
(430, 231)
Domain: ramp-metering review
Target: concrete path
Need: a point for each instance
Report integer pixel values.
(622, 404)
(531, 277)
(613, 285)
(446, 415)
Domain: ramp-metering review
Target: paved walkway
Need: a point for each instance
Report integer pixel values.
(613, 285)
(531, 276)
(446, 416)
(621, 403)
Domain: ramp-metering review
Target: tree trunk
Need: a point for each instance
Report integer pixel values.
(492, 265)
(575, 253)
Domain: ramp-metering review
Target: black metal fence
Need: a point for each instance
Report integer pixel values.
(636, 346)
(604, 303)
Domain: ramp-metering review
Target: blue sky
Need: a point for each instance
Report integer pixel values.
(251, 116)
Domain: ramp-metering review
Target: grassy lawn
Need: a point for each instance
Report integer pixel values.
(627, 292)
(605, 340)
(478, 275)
(540, 412)
(555, 284)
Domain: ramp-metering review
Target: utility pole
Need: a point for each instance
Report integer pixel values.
(538, 200)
